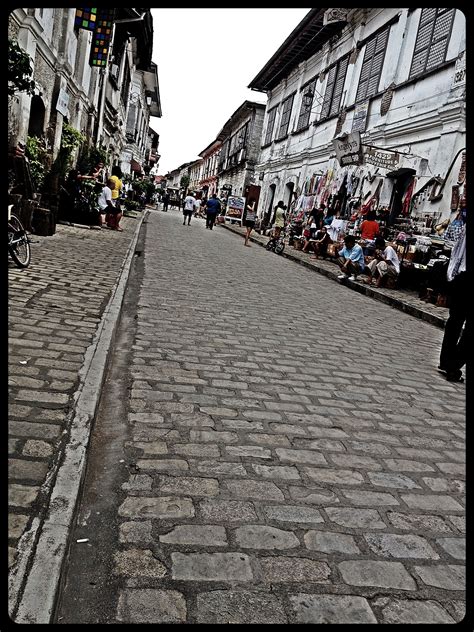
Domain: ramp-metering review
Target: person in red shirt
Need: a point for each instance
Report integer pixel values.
(369, 229)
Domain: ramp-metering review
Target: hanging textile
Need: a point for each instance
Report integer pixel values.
(407, 198)
(454, 197)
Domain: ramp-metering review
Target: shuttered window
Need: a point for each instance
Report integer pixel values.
(285, 116)
(432, 40)
(372, 65)
(305, 111)
(334, 86)
(270, 124)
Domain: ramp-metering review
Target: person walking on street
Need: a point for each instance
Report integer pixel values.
(188, 207)
(166, 200)
(213, 208)
(113, 220)
(453, 348)
(250, 218)
(279, 220)
(105, 202)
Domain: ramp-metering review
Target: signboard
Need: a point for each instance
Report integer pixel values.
(359, 121)
(235, 208)
(63, 102)
(459, 78)
(380, 158)
(348, 149)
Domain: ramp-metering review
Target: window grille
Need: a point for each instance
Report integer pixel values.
(270, 124)
(285, 116)
(372, 65)
(432, 40)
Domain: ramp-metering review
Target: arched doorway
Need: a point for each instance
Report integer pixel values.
(37, 114)
(289, 188)
(271, 197)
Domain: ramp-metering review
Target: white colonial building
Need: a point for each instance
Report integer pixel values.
(397, 77)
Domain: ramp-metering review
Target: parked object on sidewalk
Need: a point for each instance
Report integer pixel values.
(18, 241)
(276, 243)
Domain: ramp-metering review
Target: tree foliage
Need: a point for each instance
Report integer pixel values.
(19, 70)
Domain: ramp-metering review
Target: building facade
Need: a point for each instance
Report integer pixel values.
(240, 138)
(209, 179)
(394, 79)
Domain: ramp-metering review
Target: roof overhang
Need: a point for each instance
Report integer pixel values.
(305, 40)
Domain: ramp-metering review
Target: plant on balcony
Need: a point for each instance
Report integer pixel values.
(19, 70)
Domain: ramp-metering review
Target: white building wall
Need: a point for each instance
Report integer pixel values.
(425, 118)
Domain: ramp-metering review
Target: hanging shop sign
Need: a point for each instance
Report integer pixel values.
(380, 158)
(63, 102)
(348, 149)
(359, 121)
(235, 208)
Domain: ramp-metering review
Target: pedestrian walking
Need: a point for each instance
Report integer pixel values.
(250, 218)
(113, 220)
(279, 219)
(165, 198)
(105, 201)
(188, 207)
(453, 348)
(213, 208)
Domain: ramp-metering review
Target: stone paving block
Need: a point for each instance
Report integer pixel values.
(196, 449)
(313, 495)
(355, 517)
(218, 468)
(227, 511)
(188, 486)
(459, 522)
(281, 472)
(448, 577)
(452, 468)
(293, 513)
(162, 465)
(439, 503)
(456, 547)
(22, 495)
(402, 546)
(36, 448)
(193, 420)
(359, 497)
(134, 532)
(445, 485)
(241, 424)
(21, 469)
(16, 525)
(331, 609)
(264, 537)
(377, 574)
(330, 542)
(225, 567)
(301, 456)
(404, 465)
(260, 490)
(276, 570)
(197, 535)
(418, 522)
(249, 451)
(396, 481)
(212, 436)
(399, 611)
(334, 476)
(268, 439)
(239, 607)
(159, 508)
(149, 605)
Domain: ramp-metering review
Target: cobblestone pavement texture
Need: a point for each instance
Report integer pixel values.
(297, 458)
(55, 307)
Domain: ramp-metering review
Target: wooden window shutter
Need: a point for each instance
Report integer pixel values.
(432, 40)
(338, 86)
(328, 94)
(270, 124)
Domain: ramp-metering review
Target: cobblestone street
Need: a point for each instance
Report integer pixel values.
(286, 451)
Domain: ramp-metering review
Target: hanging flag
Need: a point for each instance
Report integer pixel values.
(101, 38)
(86, 19)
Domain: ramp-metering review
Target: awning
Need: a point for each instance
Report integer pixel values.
(136, 166)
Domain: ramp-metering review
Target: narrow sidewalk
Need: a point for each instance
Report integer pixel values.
(404, 299)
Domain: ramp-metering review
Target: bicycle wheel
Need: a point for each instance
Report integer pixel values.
(19, 248)
(270, 245)
(280, 247)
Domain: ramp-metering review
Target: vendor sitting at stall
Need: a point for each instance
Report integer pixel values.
(351, 259)
(369, 229)
(384, 264)
(320, 243)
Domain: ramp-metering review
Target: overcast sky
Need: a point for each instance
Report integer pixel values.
(206, 58)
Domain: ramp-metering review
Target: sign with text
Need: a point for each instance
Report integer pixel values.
(235, 208)
(348, 149)
(63, 102)
(359, 121)
(380, 158)
(459, 78)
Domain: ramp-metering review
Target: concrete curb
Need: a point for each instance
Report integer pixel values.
(389, 297)
(33, 587)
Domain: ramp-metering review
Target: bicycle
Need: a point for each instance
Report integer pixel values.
(277, 244)
(18, 241)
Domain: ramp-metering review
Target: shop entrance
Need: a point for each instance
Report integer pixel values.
(402, 179)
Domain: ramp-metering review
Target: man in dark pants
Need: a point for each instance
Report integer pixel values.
(213, 207)
(453, 349)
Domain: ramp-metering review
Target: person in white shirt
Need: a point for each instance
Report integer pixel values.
(384, 264)
(105, 202)
(188, 208)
